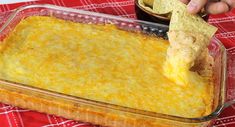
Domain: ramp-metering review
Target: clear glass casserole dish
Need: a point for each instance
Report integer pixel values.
(104, 113)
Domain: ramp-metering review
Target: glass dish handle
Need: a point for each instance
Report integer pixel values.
(230, 87)
(4, 16)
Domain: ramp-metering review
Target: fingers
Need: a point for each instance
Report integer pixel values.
(185, 1)
(195, 6)
(231, 3)
(217, 7)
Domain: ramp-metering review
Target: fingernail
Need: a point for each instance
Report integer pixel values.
(192, 6)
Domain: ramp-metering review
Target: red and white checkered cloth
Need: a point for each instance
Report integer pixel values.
(16, 117)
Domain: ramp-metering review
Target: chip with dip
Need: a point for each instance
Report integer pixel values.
(189, 35)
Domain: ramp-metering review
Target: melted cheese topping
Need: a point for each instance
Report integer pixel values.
(100, 62)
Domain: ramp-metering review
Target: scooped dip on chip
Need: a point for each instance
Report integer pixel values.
(189, 35)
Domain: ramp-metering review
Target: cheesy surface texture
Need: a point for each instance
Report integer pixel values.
(100, 62)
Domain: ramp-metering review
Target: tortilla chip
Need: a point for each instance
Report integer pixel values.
(182, 20)
(186, 54)
(144, 5)
(186, 47)
(148, 3)
(164, 6)
(203, 65)
(189, 35)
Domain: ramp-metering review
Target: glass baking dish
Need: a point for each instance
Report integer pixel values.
(104, 113)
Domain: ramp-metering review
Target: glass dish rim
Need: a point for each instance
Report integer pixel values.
(150, 114)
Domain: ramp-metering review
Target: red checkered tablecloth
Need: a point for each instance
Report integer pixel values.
(16, 117)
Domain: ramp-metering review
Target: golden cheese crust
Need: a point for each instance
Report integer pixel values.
(100, 62)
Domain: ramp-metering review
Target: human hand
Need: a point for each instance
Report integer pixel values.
(211, 6)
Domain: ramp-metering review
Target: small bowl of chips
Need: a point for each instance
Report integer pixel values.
(146, 10)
